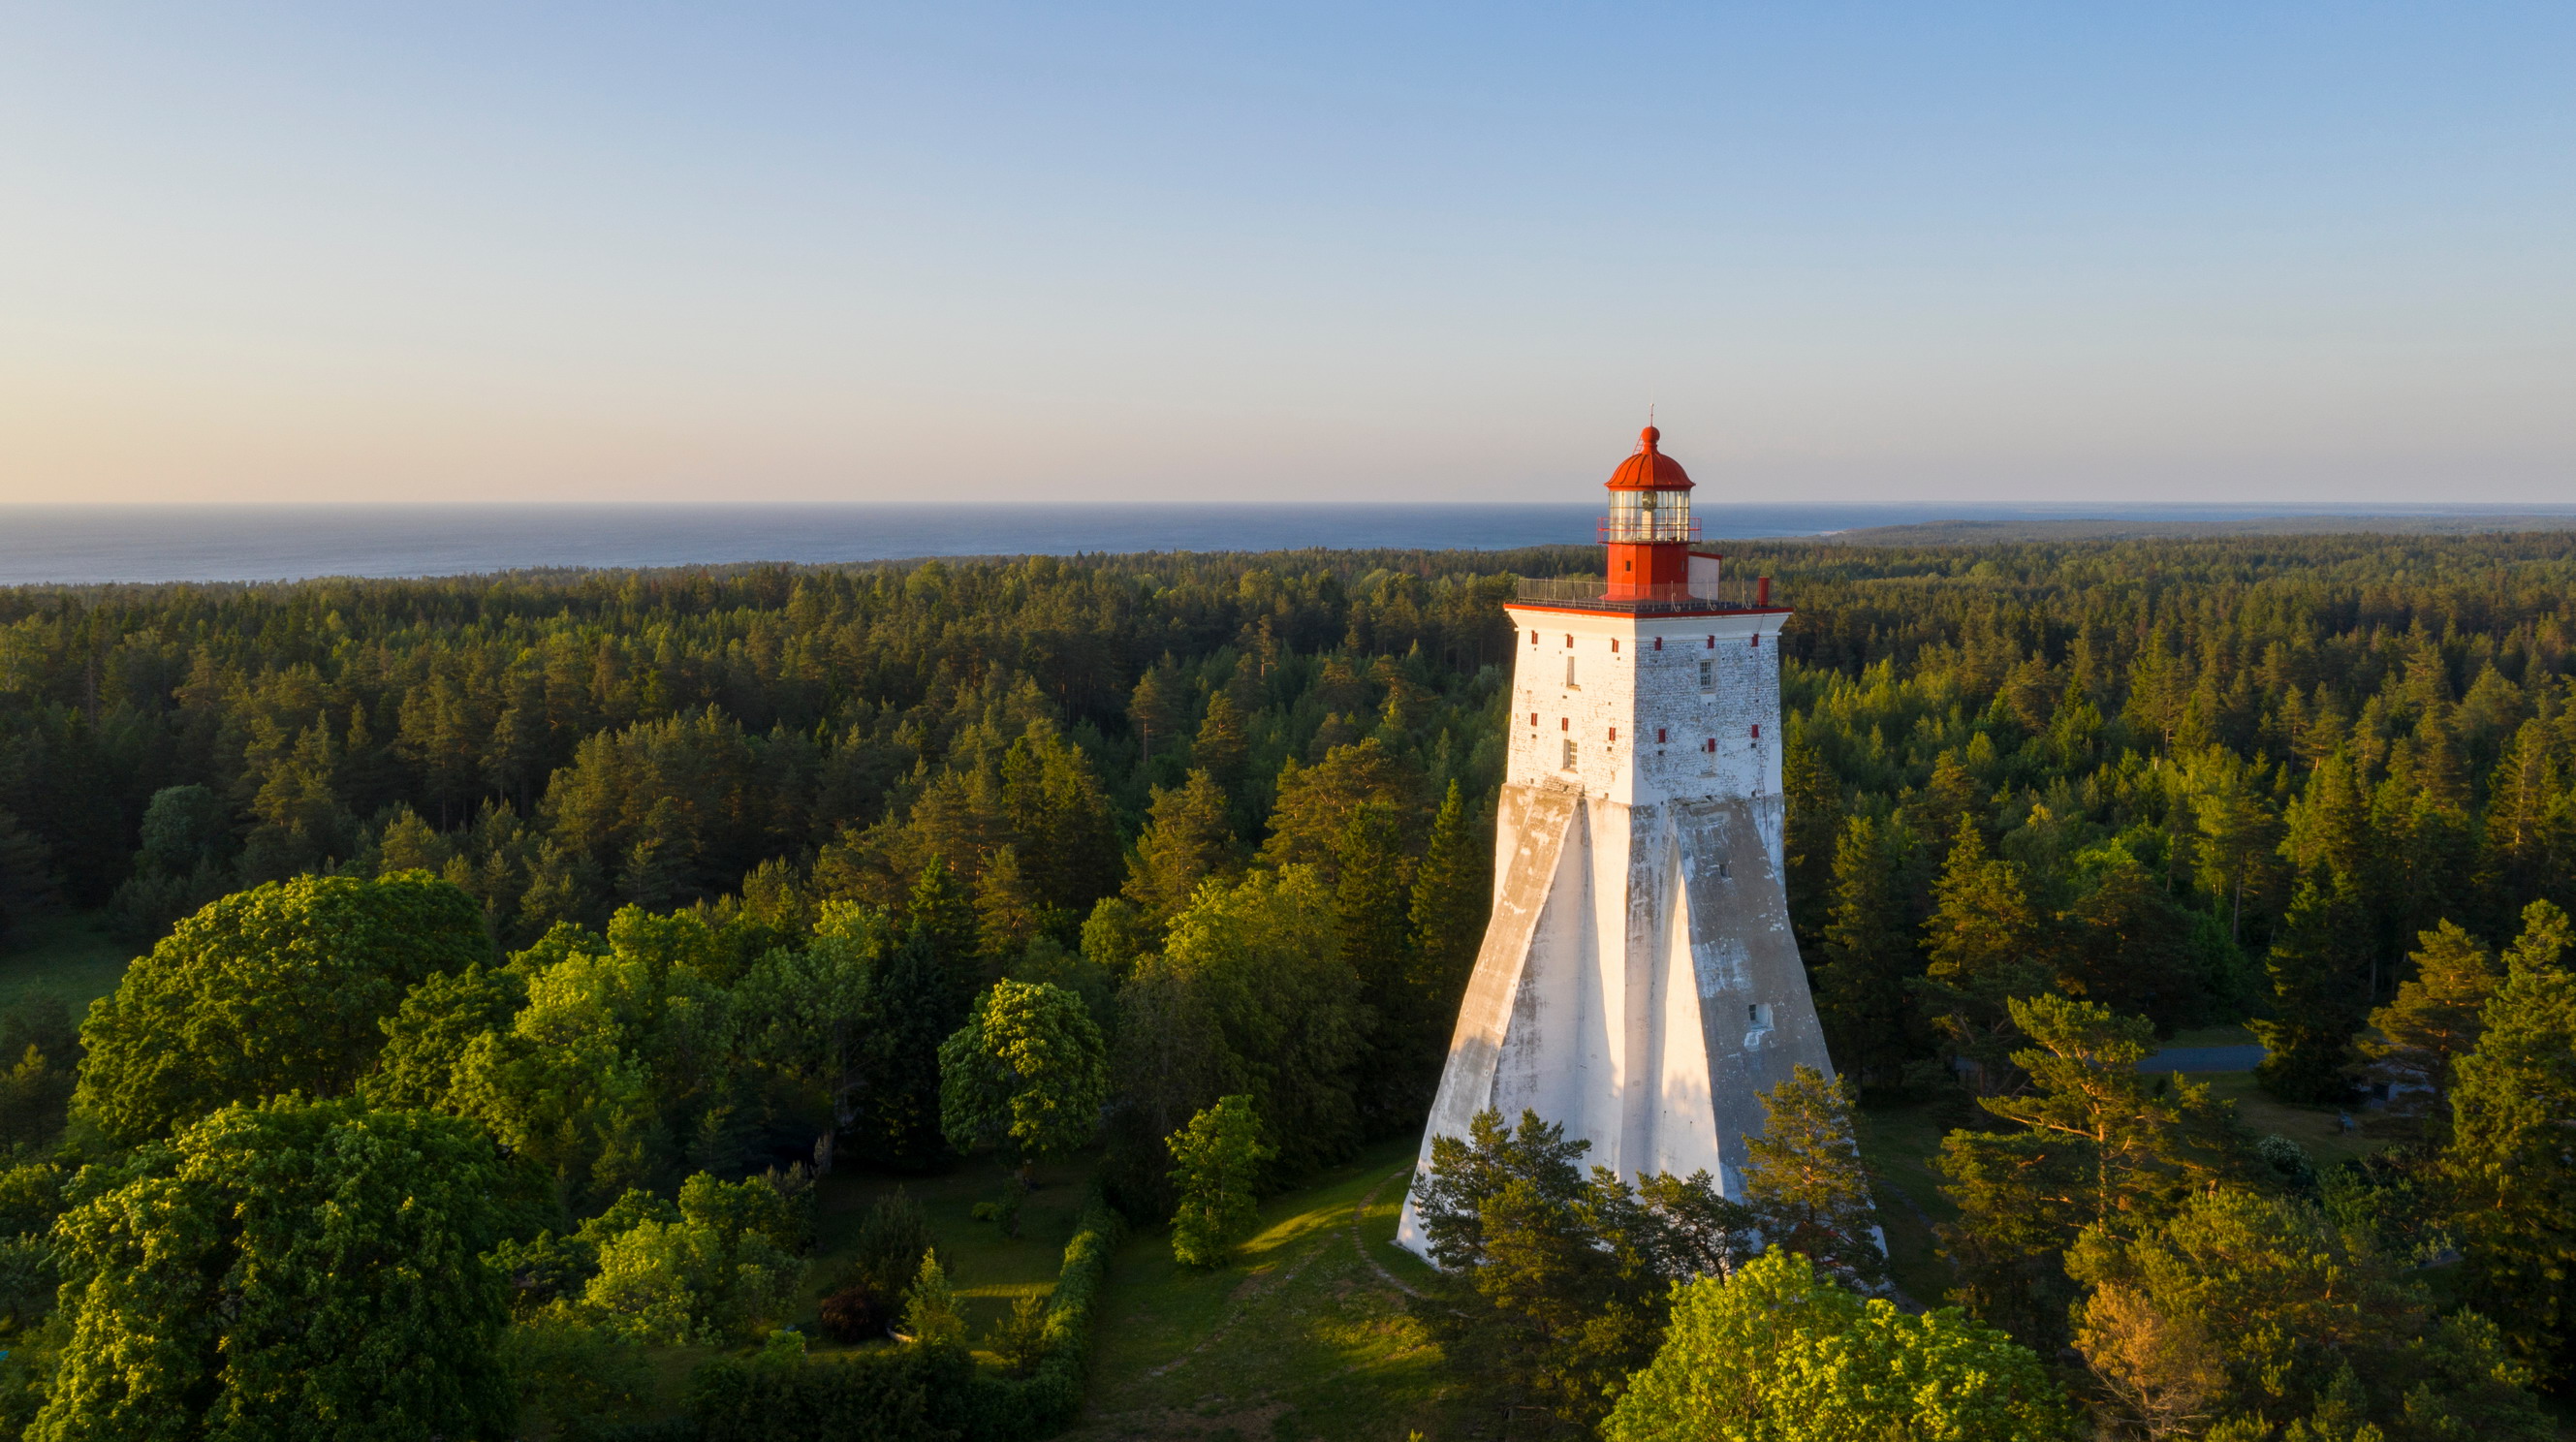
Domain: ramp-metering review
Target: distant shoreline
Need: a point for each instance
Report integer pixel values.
(124, 544)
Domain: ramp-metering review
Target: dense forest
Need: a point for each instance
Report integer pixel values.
(631, 903)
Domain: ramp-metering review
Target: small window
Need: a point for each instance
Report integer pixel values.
(1614, 646)
(1757, 640)
(1533, 718)
(1569, 755)
(1569, 642)
(1533, 638)
(1659, 643)
(1659, 735)
(1711, 746)
(1564, 724)
(1614, 733)
(1757, 730)
(1707, 675)
(1712, 643)
(1569, 670)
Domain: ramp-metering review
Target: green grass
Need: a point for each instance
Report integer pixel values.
(2235, 1033)
(2317, 1129)
(989, 1271)
(1898, 1143)
(1304, 1337)
(71, 955)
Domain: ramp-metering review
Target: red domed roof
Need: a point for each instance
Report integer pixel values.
(1649, 469)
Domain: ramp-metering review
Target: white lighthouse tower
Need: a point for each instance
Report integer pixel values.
(1638, 983)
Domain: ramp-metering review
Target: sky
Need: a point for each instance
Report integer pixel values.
(2049, 252)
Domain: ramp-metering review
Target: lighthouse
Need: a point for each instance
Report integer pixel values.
(1638, 983)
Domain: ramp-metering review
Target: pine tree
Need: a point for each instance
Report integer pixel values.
(2320, 978)
(1982, 919)
(1806, 1185)
(1221, 749)
(1187, 839)
(1369, 904)
(27, 882)
(1450, 902)
(1008, 913)
(658, 869)
(2530, 833)
(2129, 945)
(1316, 803)
(2416, 1039)
(2097, 1141)
(1814, 799)
(1537, 1303)
(915, 1005)
(931, 1317)
(1862, 990)
(1985, 944)
(944, 912)
(1948, 800)
(2329, 825)
(2144, 1140)
(1154, 707)
(2508, 1164)
(1062, 820)
(2236, 830)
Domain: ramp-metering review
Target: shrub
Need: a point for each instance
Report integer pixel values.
(716, 1272)
(907, 1393)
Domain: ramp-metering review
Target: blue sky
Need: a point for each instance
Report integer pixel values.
(970, 252)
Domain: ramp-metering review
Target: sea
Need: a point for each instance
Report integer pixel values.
(84, 545)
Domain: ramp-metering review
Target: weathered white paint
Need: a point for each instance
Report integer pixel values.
(1638, 982)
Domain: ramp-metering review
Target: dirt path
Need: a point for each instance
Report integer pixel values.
(1360, 1244)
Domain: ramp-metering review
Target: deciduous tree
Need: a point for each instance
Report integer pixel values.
(1218, 1160)
(1777, 1353)
(1026, 1075)
(274, 990)
(297, 1269)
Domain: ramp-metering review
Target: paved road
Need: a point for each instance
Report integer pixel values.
(2203, 1058)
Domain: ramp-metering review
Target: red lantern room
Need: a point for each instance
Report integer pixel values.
(1649, 529)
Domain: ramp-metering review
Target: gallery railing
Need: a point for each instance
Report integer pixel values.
(1643, 600)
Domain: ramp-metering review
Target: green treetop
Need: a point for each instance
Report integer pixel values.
(1027, 1074)
(268, 991)
(2508, 1162)
(1776, 1353)
(1805, 1183)
(1219, 1158)
(299, 1269)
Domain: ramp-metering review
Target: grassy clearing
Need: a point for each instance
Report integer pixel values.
(73, 955)
(990, 1271)
(2317, 1129)
(1305, 1336)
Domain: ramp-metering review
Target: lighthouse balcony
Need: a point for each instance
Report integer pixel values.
(1635, 527)
(1691, 598)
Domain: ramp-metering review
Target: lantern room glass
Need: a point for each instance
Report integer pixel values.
(1649, 516)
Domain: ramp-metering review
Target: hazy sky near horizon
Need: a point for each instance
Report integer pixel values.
(1960, 251)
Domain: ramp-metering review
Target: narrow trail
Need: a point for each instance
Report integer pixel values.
(1360, 1245)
